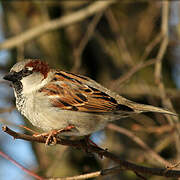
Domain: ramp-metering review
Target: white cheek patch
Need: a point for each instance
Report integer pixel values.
(30, 68)
(33, 82)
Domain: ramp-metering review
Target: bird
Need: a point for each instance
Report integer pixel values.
(66, 104)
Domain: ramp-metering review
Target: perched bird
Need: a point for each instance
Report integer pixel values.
(65, 103)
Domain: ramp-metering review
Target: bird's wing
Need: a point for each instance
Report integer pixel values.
(71, 92)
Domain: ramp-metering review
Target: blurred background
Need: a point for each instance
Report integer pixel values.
(117, 46)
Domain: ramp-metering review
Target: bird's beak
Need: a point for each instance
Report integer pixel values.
(11, 76)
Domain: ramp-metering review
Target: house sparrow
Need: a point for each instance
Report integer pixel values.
(65, 103)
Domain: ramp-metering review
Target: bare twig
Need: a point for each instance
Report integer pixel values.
(104, 43)
(139, 90)
(158, 72)
(151, 45)
(155, 129)
(159, 58)
(82, 144)
(57, 23)
(84, 176)
(8, 109)
(20, 166)
(131, 72)
(79, 50)
(138, 141)
(120, 41)
(140, 176)
(91, 175)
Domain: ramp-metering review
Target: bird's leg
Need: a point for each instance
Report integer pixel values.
(51, 136)
(68, 128)
(28, 129)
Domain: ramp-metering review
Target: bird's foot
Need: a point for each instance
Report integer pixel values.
(51, 137)
(28, 129)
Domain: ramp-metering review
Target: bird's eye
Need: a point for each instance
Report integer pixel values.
(26, 72)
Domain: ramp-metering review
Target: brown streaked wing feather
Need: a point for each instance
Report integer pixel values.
(70, 92)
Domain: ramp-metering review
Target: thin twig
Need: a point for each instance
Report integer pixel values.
(82, 144)
(158, 72)
(140, 176)
(20, 166)
(151, 45)
(57, 23)
(138, 141)
(84, 176)
(160, 55)
(131, 72)
(91, 175)
(8, 109)
(155, 129)
(139, 90)
(79, 50)
(120, 41)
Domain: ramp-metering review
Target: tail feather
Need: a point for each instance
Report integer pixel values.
(148, 108)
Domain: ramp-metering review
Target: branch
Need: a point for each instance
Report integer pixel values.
(8, 109)
(91, 175)
(124, 78)
(120, 41)
(158, 72)
(138, 141)
(84, 176)
(20, 166)
(142, 89)
(82, 144)
(167, 128)
(79, 50)
(151, 45)
(57, 23)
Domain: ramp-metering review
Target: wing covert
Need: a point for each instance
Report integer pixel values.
(70, 92)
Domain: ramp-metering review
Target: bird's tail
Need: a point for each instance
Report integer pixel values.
(148, 108)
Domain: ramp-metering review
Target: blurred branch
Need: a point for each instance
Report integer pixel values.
(57, 23)
(159, 58)
(91, 175)
(82, 144)
(79, 50)
(8, 109)
(158, 72)
(142, 64)
(20, 166)
(151, 45)
(85, 176)
(105, 44)
(120, 41)
(155, 129)
(139, 90)
(138, 141)
(131, 72)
